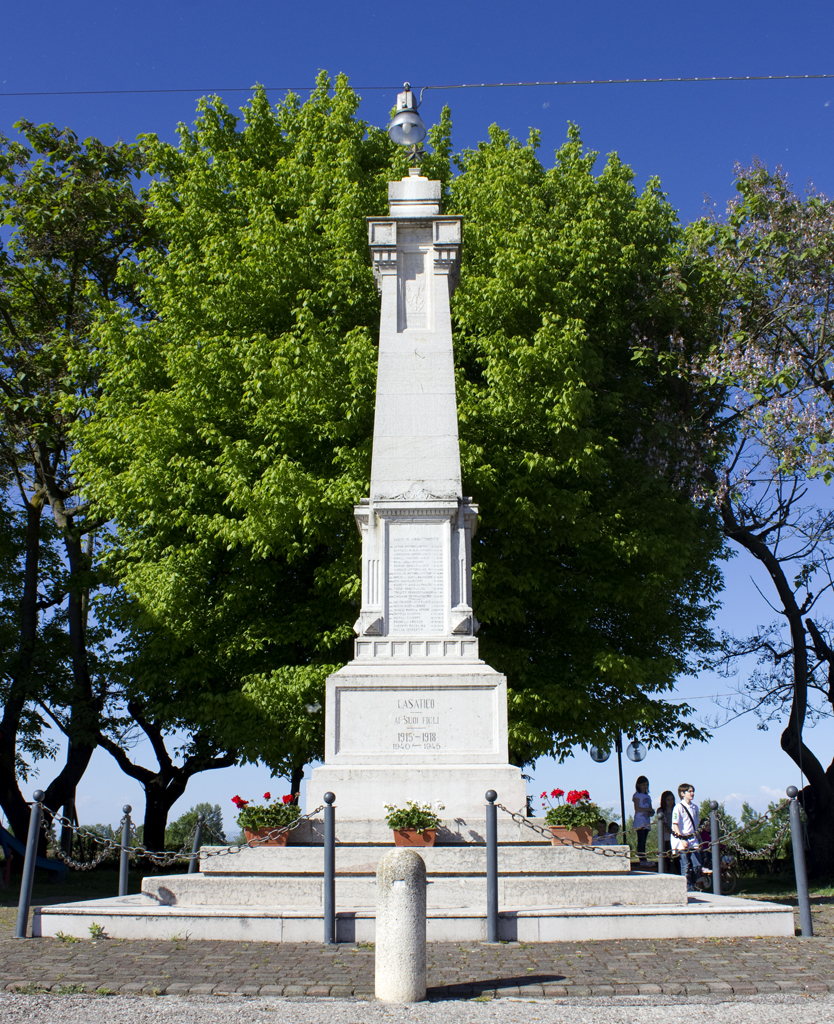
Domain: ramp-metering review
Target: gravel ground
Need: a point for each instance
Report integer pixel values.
(47, 1009)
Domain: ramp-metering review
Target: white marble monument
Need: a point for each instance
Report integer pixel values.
(416, 715)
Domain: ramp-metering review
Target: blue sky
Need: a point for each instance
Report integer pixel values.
(690, 135)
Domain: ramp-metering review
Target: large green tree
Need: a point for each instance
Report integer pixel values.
(232, 434)
(72, 214)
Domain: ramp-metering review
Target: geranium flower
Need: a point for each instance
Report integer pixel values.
(544, 794)
(266, 796)
(558, 792)
(287, 798)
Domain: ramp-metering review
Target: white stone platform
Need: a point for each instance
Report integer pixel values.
(528, 877)
(546, 893)
(140, 917)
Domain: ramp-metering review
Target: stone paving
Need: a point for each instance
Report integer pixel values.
(691, 967)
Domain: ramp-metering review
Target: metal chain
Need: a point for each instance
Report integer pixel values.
(162, 858)
(257, 841)
(109, 845)
(766, 851)
(603, 851)
(761, 820)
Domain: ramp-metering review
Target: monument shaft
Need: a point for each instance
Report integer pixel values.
(416, 715)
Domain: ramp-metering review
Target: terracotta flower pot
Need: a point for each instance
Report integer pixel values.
(579, 834)
(411, 837)
(263, 834)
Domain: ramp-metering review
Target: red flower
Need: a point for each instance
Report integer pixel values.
(544, 794)
(239, 803)
(266, 796)
(558, 792)
(287, 799)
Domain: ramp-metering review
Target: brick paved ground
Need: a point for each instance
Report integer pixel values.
(692, 967)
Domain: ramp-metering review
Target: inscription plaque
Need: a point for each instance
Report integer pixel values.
(416, 584)
(419, 722)
(412, 298)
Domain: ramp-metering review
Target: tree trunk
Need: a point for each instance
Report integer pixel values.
(161, 793)
(818, 795)
(12, 799)
(295, 782)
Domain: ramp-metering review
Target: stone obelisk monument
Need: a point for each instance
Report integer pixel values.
(416, 715)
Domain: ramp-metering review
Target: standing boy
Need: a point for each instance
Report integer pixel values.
(685, 838)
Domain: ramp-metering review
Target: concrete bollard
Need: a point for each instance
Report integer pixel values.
(401, 927)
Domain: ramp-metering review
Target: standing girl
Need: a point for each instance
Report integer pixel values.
(664, 831)
(642, 817)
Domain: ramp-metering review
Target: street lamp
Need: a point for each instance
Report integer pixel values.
(635, 751)
(406, 127)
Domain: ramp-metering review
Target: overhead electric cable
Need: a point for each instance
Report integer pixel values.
(462, 85)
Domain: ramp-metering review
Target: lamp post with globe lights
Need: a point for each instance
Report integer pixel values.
(635, 751)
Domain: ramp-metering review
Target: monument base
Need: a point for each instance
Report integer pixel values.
(362, 790)
(428, 732)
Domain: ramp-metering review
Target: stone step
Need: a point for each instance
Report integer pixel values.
(513, 858)
(140, 917)
(358, 891)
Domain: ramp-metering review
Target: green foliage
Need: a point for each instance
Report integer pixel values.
(233, 433)
(727, 822)
(179, 834)
(231, 436)
(419, 817)
(772, 839)
(594, 573)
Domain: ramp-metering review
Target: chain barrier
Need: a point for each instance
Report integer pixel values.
(728, 838)
(603, 851)
(162, 858)
(765, 852)
(257, 841)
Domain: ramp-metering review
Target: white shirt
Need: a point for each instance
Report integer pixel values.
(685, 823)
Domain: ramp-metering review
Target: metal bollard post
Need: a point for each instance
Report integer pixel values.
(329, 870)
(492, 865)
(805, 921)
(26, 882)
(124, 856)
(194, 859)
(715, 848)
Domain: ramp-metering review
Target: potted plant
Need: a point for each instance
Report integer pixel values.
(573, 816)
(267, 823)
(415, 824)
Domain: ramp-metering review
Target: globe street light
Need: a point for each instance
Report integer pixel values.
(634, 752)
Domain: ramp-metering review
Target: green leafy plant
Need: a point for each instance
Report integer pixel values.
(419, 817)
(65, 938)
(97, 931)
(571, 811)
(277, 814)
